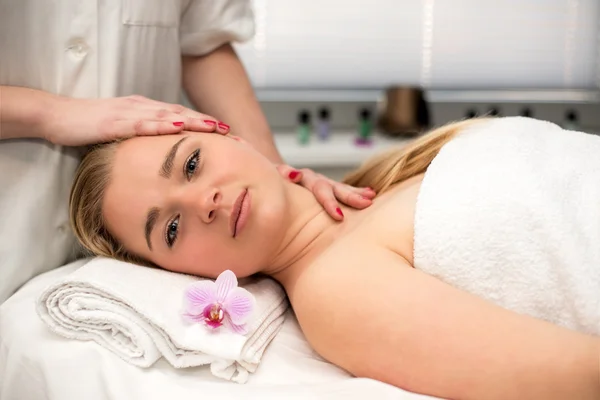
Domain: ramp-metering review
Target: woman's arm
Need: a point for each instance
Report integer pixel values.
(377, 317)
(218, 84)
(22, 112)
(30, 113)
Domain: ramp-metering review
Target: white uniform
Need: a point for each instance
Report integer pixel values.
(87, 49)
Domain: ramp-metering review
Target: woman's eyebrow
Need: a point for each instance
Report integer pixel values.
(167, 165)
(165, 171)
(151, 219)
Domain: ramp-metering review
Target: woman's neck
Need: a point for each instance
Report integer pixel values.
(310, 231)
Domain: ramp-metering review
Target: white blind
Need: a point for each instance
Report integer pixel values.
(437, 44)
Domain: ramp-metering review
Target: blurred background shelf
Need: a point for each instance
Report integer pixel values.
(339, 151)
(435, 96)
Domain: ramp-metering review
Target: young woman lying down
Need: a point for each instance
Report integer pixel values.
(475, 273)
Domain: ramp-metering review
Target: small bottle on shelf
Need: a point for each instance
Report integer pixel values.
(324, 126)
(365, 128)
(571, 121)
(304, 127)
(526, 112)
(471, 113)
(494, 112)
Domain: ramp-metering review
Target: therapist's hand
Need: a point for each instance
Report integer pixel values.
(329, 192)
(78, 122)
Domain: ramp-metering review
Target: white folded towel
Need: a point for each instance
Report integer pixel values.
(136, 312)
(510, 211)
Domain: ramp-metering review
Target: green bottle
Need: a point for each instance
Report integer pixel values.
(304, 129)
(365, 128)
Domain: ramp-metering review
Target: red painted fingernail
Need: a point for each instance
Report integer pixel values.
(210, 122)
(223, 126)
(293, 174)
(178, 123)
(339, 211)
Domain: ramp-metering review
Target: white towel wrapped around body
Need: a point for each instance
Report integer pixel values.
(509, 210)
(136, 312)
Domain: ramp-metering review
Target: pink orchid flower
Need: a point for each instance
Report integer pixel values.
(219, 303)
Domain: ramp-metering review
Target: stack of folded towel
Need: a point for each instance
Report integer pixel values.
(136, 312)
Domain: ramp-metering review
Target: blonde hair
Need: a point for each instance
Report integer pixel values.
(399, 164)
(85, 205)
(93, 176)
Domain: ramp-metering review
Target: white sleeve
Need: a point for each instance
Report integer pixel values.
(208, 24)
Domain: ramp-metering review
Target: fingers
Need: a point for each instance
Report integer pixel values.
(351, 196)
(205, 125)
(215, 126)
(125, 129)
(290, 173)
(142, 108)
(219, 126)
(328, 192)
(322, 189)
(363, 191)
(222, 128)
(163, 115)
(324, 193)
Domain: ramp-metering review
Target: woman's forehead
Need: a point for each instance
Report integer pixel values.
(134, 188)
(148, 144)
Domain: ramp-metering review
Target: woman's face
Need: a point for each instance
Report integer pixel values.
(196, 203)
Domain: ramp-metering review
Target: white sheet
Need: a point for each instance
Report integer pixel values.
(36, 364)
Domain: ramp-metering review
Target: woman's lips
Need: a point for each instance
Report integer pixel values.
(239, 213)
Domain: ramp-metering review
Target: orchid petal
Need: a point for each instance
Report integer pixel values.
(239, 305)
(225, 282)
(239, 329)
(193, 318)
(199, 295)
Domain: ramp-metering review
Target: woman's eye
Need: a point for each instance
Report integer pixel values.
(191, 165)
(172, 230)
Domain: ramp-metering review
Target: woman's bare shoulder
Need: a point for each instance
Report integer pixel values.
(334, 297)
(389, 222)
(345, 270)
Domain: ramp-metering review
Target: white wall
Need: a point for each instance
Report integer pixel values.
(428, 43)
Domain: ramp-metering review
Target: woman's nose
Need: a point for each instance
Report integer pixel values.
(205, 204)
